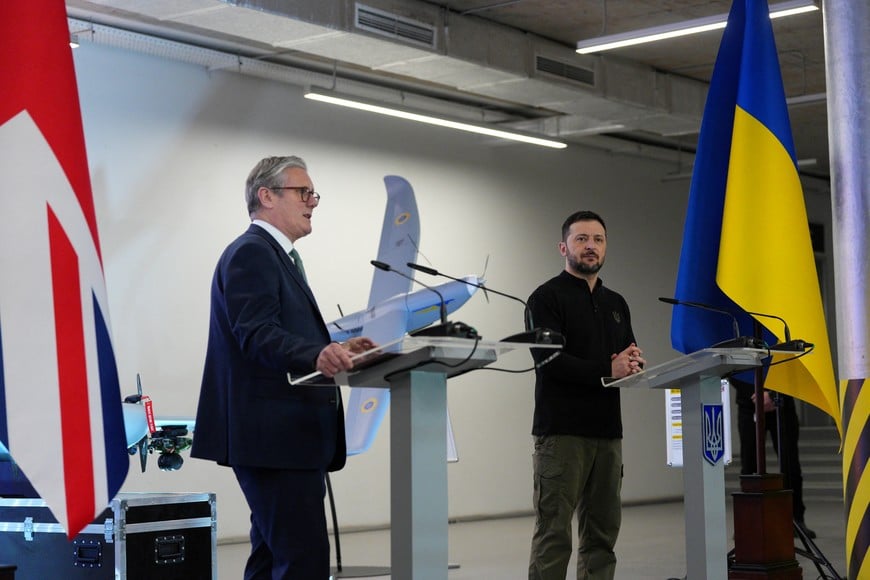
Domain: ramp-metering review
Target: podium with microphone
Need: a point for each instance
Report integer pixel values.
(415, 369)
(698, 376)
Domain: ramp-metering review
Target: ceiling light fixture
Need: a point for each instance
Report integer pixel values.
(390, 111)
(683, 28)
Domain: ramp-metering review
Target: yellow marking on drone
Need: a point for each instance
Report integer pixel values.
(369, 405)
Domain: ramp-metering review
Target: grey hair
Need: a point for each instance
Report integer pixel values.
(267, 173)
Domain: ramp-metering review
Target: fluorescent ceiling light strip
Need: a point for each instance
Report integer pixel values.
(684, 28)
(646, 35)
(429, 120)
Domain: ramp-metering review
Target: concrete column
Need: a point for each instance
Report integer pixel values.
(847, 63)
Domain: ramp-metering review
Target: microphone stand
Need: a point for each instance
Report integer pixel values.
(763, 539)
(352, 571)
(760, 427)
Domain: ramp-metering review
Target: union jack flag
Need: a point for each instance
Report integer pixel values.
(60, 402)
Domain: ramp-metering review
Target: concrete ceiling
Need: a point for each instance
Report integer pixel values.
(510, 62)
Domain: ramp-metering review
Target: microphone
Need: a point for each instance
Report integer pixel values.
(445, 328)
(387, 268)
(789, 345)
(737, 341)
(432, 271)
(534, 335)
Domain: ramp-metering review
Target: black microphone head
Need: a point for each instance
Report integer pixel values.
(381, 265)
(424, 269)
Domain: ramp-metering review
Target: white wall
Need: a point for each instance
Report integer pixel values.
(169, 147)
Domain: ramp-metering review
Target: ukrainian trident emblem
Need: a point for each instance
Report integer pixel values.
(713, 433)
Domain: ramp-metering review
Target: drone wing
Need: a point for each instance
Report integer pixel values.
(400, 235)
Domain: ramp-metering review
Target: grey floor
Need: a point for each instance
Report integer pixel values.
(651, 545)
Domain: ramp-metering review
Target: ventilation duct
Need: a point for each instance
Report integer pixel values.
(420, 44)
(392, 26)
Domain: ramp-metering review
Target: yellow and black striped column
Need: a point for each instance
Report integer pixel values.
(847, 59)
(856, 475)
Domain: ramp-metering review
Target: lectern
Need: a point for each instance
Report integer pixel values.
(698, 376)
(416, 372)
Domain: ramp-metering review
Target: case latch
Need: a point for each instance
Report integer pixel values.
(109, 530)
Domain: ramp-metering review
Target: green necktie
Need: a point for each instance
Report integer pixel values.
(297, 259)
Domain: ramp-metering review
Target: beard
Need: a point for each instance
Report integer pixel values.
(583, 267)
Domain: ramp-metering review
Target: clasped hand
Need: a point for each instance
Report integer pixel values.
(628, 362)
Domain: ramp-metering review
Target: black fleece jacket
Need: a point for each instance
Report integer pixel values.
(569, 397)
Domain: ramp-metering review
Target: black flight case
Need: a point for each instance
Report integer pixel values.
(140, 536)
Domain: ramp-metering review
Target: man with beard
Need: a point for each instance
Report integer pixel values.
(577, 422)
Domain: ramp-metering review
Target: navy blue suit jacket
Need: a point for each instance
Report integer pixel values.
(265, 323)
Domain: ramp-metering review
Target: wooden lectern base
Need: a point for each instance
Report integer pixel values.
(763, 530)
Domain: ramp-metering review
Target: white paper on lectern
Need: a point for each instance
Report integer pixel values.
(341, 378)
(674, 424)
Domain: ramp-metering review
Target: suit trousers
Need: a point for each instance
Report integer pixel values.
(289, 540)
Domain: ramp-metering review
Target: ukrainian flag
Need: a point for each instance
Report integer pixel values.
(746, 242)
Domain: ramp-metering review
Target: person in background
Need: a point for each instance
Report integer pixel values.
(280, 440)
(577, 425)
(784, 430)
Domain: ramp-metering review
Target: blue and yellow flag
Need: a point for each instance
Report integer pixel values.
(746, 242)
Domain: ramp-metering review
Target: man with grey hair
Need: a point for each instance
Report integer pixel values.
(280, 440)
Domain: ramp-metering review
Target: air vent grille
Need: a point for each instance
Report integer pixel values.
(565, 71)
(393, 26)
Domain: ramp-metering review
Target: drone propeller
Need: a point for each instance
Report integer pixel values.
(143, 452)
(137, 398)
(483, 277)
(134, 421)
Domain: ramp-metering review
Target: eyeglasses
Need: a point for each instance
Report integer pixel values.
(305, 193)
